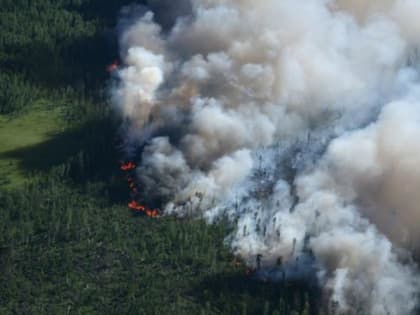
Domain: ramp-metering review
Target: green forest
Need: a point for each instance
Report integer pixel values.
(68, 242)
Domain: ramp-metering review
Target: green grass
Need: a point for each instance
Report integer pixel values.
(19, 132)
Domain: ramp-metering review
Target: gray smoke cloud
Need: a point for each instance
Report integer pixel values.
(297, 120)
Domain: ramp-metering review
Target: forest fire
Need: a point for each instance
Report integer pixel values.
(133, 205)
(301, 142)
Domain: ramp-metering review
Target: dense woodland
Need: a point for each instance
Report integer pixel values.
(68, 243)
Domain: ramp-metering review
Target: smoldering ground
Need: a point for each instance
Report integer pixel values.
(298, 120)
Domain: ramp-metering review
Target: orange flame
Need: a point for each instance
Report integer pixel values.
(128, 166)
(134, 205)
(113, 66)
(153, 213)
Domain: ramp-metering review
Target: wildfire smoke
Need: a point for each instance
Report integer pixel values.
(298, 120)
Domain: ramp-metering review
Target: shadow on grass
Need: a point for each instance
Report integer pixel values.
(87, 152)
(43, 156)
(236, 293)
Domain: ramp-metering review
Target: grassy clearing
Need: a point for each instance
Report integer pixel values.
(20, 132)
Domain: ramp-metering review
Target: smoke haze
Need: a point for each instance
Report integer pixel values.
(298, 120)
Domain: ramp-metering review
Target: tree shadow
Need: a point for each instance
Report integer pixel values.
(45, 155)
(87, 152)
(79, 62)
(106, 10)
(85, 156)
(165, 11)
(235, 292)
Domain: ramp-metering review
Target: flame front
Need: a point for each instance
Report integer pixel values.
(113, 66)
(133, 204)
(129, 166)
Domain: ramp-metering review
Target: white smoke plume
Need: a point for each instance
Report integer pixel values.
(296, 119)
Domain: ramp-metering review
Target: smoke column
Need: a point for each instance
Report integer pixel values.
(298, 120)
